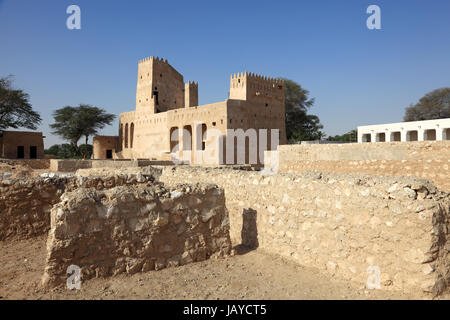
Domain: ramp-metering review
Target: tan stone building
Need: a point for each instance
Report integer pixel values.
(21, 145)
(167, 114)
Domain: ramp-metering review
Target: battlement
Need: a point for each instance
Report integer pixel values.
(256, 77)
(248, 85)
(192, 84)
(155, 59)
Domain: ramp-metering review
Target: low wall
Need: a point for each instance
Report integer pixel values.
(414, 150)
(135, 228)
(72, 165)
(436, 170)
(25, 204)
(31, 163)
(342, 224)
(429, 160)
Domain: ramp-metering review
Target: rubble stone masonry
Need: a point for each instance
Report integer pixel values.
(342, 224)
(135, 228)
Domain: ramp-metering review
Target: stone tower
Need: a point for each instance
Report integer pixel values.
(256, 88)
(159, 86)
(190, 94)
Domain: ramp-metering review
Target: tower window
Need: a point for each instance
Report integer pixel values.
(160, 75)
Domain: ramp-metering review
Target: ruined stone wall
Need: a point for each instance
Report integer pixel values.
(435, 170)
(135, 228)
(342, 224)
(25, 203)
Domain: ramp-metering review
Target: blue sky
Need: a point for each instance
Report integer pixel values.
(357, 76)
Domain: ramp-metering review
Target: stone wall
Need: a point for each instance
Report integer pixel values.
(30, 163)
(25, 203)
(135, 228)
(429, 160)
(427, 150)
(72, 165)
(342, 224)
(435, 170)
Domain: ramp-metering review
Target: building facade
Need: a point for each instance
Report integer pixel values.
(167, 118)
(427, 130)
(21, 145)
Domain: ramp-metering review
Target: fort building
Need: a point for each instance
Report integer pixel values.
(167, 117)
(21, 145)
(426, 130)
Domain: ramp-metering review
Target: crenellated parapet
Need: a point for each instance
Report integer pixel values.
(251, 86)
(154, 59)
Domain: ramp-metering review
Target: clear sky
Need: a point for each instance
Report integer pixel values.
(357, 76)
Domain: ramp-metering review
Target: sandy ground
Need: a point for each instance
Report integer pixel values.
(247, 275)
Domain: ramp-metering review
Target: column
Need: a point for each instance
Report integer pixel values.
(403, 135)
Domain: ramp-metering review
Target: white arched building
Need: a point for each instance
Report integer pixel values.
(406, 131)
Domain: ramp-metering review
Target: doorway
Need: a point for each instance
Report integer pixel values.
(20, 152)
(33, 152)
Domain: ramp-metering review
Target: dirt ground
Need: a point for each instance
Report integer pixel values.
(247, 275)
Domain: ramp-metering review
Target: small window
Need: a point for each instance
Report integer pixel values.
(214, 124)
(231, 120)
(267, 104)
(160, 75)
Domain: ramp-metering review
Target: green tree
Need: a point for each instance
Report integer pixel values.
(15, 108)
(351, 136)
(434, 105)
(72, 123)
(68, 151)
(299, 124)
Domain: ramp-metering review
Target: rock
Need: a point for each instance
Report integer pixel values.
(162, 219)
